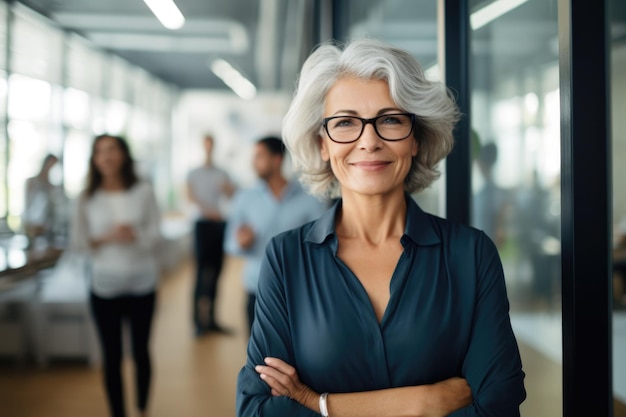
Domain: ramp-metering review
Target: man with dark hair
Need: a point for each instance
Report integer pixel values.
(208, 188)
(274, 205)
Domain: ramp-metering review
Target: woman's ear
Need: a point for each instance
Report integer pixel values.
(415, 148)
(324, 149)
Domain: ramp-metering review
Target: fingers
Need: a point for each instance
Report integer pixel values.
(269, 372)
(283, 367)
(276, 387)
(279, 376)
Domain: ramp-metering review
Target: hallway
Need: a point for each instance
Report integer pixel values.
(192, 377)
(195, 377)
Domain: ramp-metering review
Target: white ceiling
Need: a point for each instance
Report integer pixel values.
(248, 34)
(266, 40)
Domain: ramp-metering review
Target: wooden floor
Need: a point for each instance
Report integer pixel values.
(192, 376)
(196, 377)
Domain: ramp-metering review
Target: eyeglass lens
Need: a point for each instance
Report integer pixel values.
(388, 126)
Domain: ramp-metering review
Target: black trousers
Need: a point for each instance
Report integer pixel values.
(209, 252)
(109, 314)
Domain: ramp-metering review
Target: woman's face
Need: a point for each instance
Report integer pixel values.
(371, 165)
(108, 157)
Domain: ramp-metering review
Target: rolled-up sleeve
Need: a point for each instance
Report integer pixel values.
(492, 365)
(270, 337)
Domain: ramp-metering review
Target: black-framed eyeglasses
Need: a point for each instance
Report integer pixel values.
(389, 127)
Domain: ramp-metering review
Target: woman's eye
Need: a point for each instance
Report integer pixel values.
(347, 122)
(391, 120)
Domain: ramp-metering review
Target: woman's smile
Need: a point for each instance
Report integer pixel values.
(370, 166)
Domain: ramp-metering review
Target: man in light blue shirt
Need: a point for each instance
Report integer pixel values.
(272, 206)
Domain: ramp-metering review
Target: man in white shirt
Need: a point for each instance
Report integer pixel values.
(209, 187)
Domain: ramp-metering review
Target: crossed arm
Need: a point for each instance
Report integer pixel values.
(434, 400)
(490, 381)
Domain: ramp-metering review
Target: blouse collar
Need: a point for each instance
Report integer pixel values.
(419, 228)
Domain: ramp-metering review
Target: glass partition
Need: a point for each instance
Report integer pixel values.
(36, 47)
(34, 131)
(515, 120)
(3, 112)
(3, 144)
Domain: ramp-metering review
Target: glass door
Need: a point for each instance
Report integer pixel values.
(515, 153)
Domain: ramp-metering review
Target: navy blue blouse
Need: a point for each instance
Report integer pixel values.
(448, 316)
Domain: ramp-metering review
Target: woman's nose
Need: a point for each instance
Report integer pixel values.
(369, 140)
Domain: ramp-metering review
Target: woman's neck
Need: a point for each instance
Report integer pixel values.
(374, 218)
(112, 183)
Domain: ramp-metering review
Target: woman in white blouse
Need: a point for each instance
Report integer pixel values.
(117, 222)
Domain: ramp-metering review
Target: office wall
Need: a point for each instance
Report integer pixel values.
(235, 124)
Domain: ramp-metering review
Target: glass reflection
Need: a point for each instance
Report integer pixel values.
(516, 177)
(3, 102)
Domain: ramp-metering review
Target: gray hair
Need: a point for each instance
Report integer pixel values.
(431, 102)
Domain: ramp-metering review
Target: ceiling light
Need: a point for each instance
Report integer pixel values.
(233, 79)
(492, 11)
(167, 12)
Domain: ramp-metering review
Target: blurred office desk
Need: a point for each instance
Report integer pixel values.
(17, 263)
(20, 272)
(62, 323)
(44, 296)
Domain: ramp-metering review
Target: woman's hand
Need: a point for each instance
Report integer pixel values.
(121, 233)
(432, 400)
(283, 380)
(124, 233)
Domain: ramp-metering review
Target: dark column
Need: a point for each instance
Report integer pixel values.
(458, 163)
(341, 20)
(586, 208)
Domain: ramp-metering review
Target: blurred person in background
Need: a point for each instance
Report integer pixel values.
(377, 308)
(39, 201)
(491, 203)
(274, 205)
(208, 188)
(117, 223)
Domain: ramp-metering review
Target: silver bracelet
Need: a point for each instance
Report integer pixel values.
(323, 405)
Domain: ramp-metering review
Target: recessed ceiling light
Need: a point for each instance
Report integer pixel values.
(492, 11)
(167, 12)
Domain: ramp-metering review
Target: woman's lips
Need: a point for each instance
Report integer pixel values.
(371, 165)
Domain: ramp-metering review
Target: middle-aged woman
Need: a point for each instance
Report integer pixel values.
(377, 308)
(117, 223)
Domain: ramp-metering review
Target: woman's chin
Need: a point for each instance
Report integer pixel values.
(373, 189)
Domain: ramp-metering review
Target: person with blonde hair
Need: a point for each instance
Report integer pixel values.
(377, 308)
